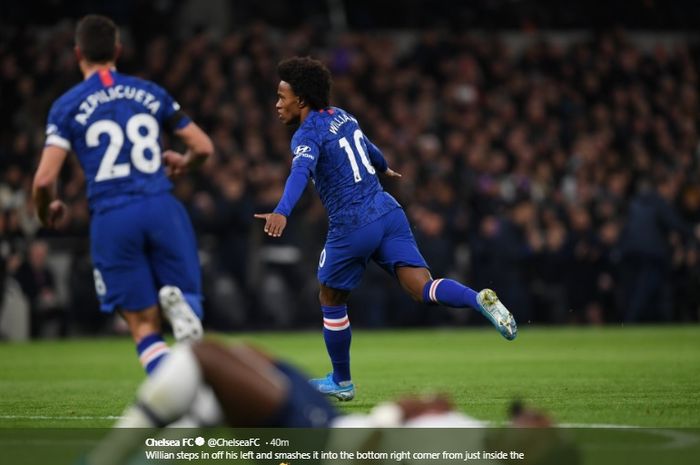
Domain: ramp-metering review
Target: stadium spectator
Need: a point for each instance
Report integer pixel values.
(38, 284)
(499, 255)
(647, 253)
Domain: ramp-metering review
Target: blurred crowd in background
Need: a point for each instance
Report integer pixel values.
(564, 174)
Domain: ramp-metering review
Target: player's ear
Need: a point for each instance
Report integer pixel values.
(78, 53)
(301, 102)
(117, 51)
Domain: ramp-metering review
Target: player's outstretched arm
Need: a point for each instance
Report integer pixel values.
(199, 149)
(49, 209)
(276, 221)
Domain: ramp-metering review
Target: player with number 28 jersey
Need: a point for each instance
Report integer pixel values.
(113, 124)
(142, 242)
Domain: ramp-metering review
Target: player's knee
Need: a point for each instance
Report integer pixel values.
(332, 297)
(211, 355)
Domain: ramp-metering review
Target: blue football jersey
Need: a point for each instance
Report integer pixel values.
(113, 123)
(343, 165)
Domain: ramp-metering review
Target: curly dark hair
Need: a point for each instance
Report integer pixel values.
(309, 79)
(97, 37)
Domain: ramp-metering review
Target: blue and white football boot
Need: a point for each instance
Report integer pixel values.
(497, 313)
(329, 387)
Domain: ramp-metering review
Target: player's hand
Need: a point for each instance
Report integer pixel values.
(56, 214)
(175, 163)
(389, 173)
(274, 223)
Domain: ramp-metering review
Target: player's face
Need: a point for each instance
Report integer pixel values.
(288, 104)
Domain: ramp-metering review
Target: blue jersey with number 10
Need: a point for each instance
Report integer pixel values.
(113, 123)
(330, 147)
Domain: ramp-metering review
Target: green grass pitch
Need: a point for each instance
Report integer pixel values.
(642, 376)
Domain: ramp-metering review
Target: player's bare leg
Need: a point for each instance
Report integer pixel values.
(142, 323)
(332, 297)
(145, 328)
(337, 336)
(420, 285)
(248, 386)
(413, 280)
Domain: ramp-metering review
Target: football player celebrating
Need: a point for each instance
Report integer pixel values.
(365, 222)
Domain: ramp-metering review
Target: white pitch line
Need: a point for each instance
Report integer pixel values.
(49, 417)
(599, 426)
(502, 424)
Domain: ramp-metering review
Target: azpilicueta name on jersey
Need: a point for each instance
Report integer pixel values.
(94, 100)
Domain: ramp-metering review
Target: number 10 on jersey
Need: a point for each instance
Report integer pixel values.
(360, 147)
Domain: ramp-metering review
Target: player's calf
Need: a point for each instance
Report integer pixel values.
(337, 335)
(453, 294)
(450, 293)
(144, 326)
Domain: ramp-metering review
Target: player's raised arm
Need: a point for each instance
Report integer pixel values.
(199, 149)
(49, 209)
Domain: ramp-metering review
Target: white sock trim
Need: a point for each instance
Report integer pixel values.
(152, 352)
(336, 324)
(433, 290)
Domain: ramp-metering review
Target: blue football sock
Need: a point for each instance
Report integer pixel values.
(337, 335)
(450, 293)
(152, 349)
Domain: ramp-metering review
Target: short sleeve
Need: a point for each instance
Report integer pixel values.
(58, 128)
(171, 115)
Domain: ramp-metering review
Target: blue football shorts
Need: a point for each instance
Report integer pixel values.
(388, 241)
(140, 247)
